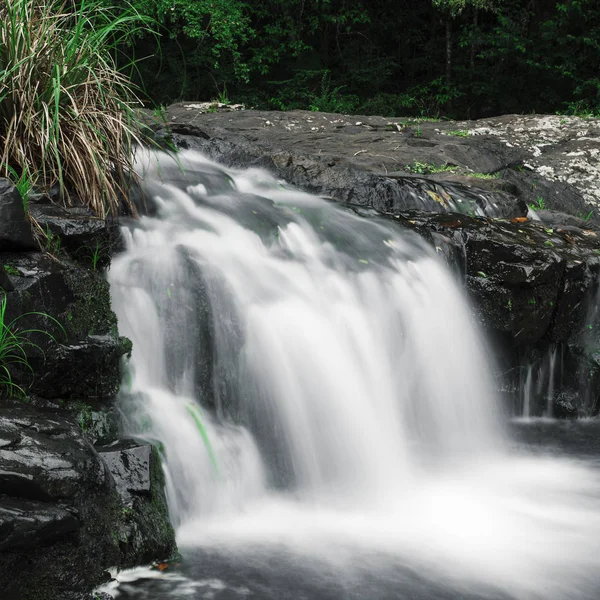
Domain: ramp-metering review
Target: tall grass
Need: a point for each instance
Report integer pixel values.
(67, 115)
(14, 344)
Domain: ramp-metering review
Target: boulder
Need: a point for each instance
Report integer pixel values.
(146, 531)
(15, 228)
(63, 520)
(75, 351)
(87, 238)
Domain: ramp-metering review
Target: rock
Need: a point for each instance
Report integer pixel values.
(79, 355)
(534, 157)
(15, 229)
(526, 281)
(27, 524)
(54, 488)
(5, 282)
(559, 150)
(86, 237)
(62, 521)
(145, 532)
(129, 464)
(44, 458)
(60, 373)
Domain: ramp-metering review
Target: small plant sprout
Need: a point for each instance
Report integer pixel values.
(538, 204)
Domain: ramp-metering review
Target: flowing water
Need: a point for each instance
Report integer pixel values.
(325, 409)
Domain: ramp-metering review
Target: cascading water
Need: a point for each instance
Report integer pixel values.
(325, 407)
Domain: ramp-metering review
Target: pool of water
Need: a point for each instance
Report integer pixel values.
(497, 548)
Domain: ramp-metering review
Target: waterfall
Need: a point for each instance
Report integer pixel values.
(315, 380)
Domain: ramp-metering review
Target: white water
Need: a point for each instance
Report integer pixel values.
(353, 411)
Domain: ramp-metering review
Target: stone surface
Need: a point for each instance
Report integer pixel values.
(145, 529)
(27, 524)
(62, 521)
(129, 464)
(535, 156)
(15, 228)
(79, 354)
(86, 237)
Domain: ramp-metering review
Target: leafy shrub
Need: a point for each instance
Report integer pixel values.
(66, 112)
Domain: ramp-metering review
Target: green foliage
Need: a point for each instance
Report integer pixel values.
(330, 99)
(458, 132)
(23, 182)
(376, 57)
(14, 344)
(52, 242)
(538, 204)
(427, 169)
(11, 270)
(66, 112)
(456, 7)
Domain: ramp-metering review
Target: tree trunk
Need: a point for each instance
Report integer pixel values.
(448, 51)
(473, 42)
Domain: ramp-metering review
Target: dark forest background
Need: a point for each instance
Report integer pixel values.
(429, 58)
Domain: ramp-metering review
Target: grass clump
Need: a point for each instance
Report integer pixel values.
(14, 344)
(427, 169)
(66, 111)
(483, 175)
(458, 132)
(538, 204)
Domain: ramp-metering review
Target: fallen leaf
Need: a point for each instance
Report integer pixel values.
(519, 220)
(435, 196)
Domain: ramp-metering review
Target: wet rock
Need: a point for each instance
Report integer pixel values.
(565, 405)
(60, 373)
(62, 521)
(43, 457)
(5, 283)
(86, 237)
(76, 350)
(54, 489)
(534, 158)
(15, 229)
(145, 531)
(27, 524)
(129, 463)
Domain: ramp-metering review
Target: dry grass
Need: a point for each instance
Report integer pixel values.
(66, 112)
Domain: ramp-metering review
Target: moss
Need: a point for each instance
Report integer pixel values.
(12, 270)
(91, 313)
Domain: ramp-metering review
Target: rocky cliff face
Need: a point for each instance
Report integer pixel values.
(512, 203)
(74, 499)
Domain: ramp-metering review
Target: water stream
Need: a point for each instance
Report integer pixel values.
(325, 409)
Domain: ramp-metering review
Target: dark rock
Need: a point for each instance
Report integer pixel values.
(555, 218)
(60, 373)
(129, 463)
(565, 405)
(62, 522)
(85, 236)
(145, 530)
(79, 354)
(27, 524)
(5, 282)
(15, 229)
(526, 281)
(44, 457)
